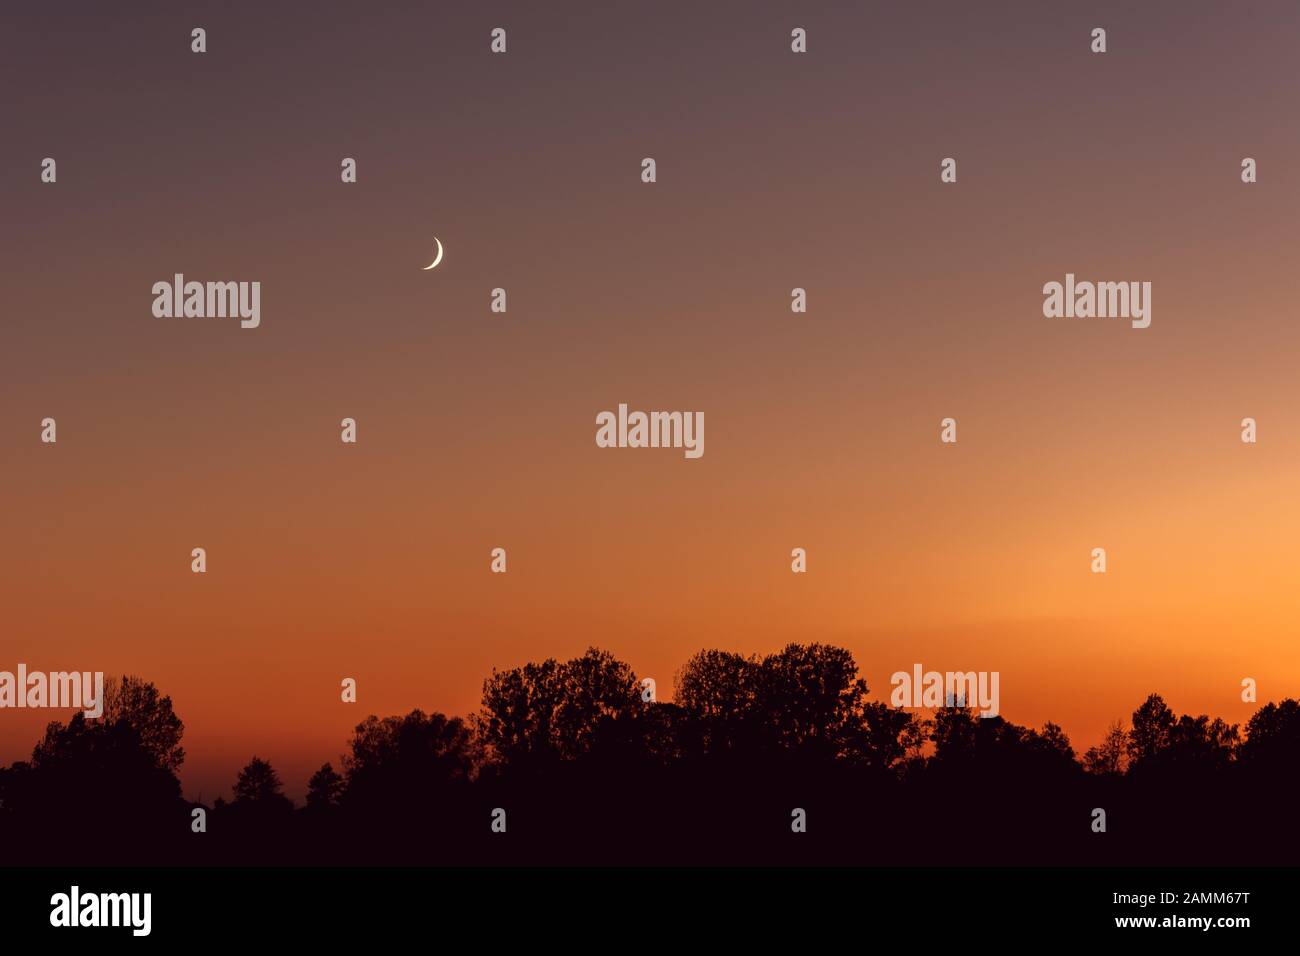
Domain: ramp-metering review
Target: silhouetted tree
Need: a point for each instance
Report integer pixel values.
(324, 788)
(1111, 755)
(1051, 741)
(551, 711)
(150, 714)
(1161, 741)
(887, 737)
(811, 696)
(407, 759)
(1153, 722)
(259, 783)
(1212, 743)
(1273, 735)
(954, 731)
(806, 698)
(96, 785)
(993, 746)
(718, 691)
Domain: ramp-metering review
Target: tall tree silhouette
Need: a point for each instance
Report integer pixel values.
(551, 711)
(888, 737)
(139, 704)
(954, 732)
(1153, 722)
(718, 692)
(1163, 742)
(1273, 735)
(1110, 757)
(258, 818)
(811, 697)
(806, 698)
(407, 759)
(324, 788)
(96, 785)
(993, 745)
(258, 783)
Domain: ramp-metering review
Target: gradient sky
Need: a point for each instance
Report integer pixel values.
(477, 430)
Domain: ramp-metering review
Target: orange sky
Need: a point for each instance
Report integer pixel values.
(477, 430)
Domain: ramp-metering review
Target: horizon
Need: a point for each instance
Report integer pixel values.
(295, 789)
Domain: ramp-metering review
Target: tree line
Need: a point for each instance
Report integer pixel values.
(773, 758)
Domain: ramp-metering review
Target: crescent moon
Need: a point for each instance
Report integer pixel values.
(437, 258)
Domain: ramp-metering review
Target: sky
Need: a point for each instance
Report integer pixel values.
(476, 430)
